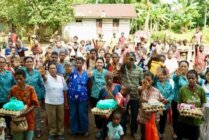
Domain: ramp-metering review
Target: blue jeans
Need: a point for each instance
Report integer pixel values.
(79, 117)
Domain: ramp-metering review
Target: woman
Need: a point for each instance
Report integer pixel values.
(55, 100)
(34, 79)
(163, 85)
(78, 98)
(188, 127)
(180, 80)
(98, 81)
(108, 92)
(27, 94)
(114, 68)
(6, 83)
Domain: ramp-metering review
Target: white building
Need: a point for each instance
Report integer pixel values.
(91, 19)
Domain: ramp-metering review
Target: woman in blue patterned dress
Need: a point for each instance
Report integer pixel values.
(78, 98)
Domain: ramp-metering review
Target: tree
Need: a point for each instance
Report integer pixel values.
(184, 14)
(29, 13)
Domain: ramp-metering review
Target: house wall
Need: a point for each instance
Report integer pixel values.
(87, 28)
(84, 30)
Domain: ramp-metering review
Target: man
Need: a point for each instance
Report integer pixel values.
(122, 40)
(13, 54)
(113, 42)
(132, 76)
(54, 58)
(91, 62)
(200, 57)
(59, 47)
(9, 47)
(197, 38)
(62, 61)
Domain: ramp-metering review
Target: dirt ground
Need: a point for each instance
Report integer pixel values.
(92, 131)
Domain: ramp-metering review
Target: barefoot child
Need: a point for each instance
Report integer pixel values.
(115, 130)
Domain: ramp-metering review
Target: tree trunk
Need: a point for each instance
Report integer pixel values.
(205, 17)
(146, 24)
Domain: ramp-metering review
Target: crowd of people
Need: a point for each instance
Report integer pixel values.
(73, 76)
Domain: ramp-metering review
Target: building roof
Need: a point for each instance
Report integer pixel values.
(104, 11)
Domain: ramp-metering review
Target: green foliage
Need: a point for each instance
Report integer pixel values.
(170, 35)
(156, 16)
(152, 15)
(50, 13)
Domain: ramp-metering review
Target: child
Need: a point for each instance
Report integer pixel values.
(2, 127)
(148, 93)
(115, 130)
(125, 93)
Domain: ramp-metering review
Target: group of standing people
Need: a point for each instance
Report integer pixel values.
(70, 75)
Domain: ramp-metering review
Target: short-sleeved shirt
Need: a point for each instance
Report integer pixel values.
(151, 93)
(98, 82)
(61, 49)
(35, 80)
(55, 88)
(103, 94)
(7, 51)
(166, 90)
(6, 83)
(60, 69)
(78, 86)
(114, 132)
(132, 78)
(29, 98)
(179, 81)
(200, 60)
(196, 98)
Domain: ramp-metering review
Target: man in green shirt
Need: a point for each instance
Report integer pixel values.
(131, 76)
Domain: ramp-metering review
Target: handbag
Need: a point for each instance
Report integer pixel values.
(19, 124)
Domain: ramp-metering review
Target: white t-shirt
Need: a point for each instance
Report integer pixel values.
(171, 64)
(54, 90)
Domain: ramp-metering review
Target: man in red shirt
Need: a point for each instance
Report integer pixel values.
(122, 40)
(200, 57)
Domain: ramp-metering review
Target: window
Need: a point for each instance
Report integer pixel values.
(115, 25)
(78, 20)
(98, 25)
